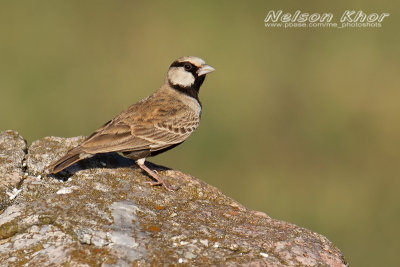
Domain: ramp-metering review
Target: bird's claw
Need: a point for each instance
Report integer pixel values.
(153, 183)
(166, 185)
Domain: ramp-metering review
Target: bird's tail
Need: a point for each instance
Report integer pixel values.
(70, 158)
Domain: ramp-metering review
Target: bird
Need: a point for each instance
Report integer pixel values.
(151, 126)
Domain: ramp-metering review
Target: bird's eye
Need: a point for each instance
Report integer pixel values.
(187, 66)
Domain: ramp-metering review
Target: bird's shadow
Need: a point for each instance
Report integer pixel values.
(110, 160)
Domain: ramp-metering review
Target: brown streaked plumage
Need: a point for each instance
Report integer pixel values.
(151, 126)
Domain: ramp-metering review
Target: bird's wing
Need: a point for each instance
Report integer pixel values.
(140, 131)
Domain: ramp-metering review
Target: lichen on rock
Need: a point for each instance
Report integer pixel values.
(12, 154)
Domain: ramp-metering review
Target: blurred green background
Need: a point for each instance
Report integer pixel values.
(302, 124)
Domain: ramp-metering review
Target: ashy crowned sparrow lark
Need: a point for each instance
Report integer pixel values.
(153, 125)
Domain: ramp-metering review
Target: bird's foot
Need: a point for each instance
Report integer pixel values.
(165, 184)
(154, 174)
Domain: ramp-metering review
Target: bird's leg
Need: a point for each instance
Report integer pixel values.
(156, 176)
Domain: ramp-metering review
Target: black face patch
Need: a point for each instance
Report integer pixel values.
(193, 90)
(187, 66)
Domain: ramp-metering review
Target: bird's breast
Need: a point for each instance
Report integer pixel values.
(192, 104)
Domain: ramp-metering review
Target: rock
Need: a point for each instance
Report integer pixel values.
(12, 154)
(103, 213)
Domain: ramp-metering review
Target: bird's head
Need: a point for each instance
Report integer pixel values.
(187, 74)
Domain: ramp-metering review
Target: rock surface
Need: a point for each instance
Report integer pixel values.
(103, 213)
(12, 154)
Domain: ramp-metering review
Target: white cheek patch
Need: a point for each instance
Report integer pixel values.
(178, 76)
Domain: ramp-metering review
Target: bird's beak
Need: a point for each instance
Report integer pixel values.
(204, 69)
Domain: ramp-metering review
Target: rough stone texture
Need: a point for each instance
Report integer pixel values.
(103, 213)
(12, 154)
